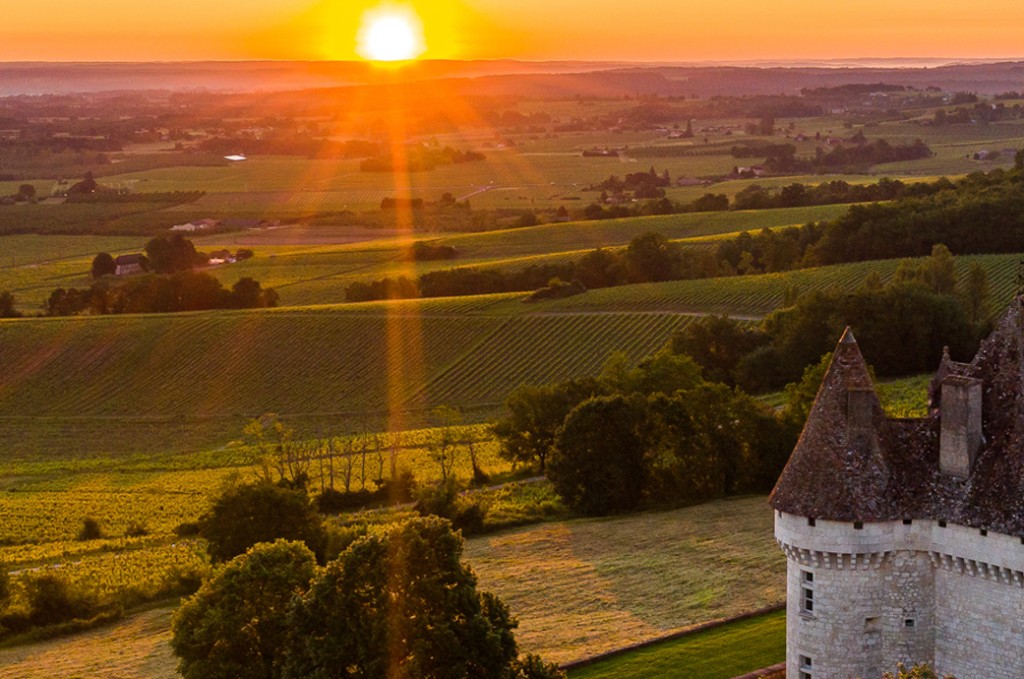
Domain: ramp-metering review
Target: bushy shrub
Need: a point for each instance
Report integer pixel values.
(90, 529)
(136, 529)
(188, 529)
(340, 537)
(446, 500)
(5, 588)
(332, 500)
(400, 489)
(53, 600)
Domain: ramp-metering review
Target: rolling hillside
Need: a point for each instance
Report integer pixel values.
(109, 384)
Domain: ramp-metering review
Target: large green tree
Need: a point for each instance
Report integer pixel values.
(651, 257)
(535, 415)
(260, 512)
(7, 308)
(168, 254)
(598, 466)
(401, 604)
(236, 625)
(103, 264)
(717, 343)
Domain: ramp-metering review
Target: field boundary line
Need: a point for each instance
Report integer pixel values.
(671, 636)
(763, 672)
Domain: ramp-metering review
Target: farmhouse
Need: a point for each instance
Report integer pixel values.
(128, 264)
(905, 537)
(198, 225)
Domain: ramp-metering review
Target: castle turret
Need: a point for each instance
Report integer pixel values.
(833, 508)
(904, 537)
(836, 470)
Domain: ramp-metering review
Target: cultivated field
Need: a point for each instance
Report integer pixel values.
(115, 384)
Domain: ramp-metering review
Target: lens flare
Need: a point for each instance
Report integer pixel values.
(391, 33)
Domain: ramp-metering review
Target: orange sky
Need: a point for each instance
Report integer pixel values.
(649, 30)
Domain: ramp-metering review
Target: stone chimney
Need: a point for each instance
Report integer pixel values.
(960, 438)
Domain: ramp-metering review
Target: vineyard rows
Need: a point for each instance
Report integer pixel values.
(237, 362)
(141, 573)
(759, 295)
(539, 349)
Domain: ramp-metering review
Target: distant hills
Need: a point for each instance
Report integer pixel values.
(512, 78)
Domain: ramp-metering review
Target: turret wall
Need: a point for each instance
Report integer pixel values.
(888, 592)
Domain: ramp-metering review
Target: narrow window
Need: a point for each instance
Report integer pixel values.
(810, 522)
(857, 525)
(984, 532)
(807, 591)
(942, 523)
(909, 622)
(805, 667)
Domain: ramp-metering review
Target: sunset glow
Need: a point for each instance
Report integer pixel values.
(658, 30)
(390, 34)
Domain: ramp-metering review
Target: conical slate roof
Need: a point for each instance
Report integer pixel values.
(837, 470)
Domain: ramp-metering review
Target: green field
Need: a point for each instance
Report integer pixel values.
(218, 365)
(719, 653)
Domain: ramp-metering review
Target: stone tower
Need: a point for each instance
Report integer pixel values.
(905, 537)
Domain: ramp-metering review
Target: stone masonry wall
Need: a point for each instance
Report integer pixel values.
(979, 631)
(903, 592)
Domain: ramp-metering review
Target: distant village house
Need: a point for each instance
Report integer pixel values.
(198, 225)
(128, 264)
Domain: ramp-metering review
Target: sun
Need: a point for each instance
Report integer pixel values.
(390, 33)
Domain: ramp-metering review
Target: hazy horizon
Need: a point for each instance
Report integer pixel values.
(535, 30)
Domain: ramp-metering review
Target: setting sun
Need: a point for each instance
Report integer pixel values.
(390, 33)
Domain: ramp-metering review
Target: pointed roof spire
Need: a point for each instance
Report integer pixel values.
(837, 470)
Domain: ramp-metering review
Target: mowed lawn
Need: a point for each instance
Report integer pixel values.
(750, 644)
(578, 587)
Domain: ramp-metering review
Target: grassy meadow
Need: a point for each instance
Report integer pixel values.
(578, 588)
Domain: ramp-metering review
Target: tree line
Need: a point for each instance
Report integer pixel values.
(940, 212)
(395, 602)
(173, 286)
(298, 597)
(921, 217)
(902, 326)
(656, 435)
(648, 258)
(680, 427)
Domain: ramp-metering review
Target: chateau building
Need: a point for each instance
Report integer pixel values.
(905, 537)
